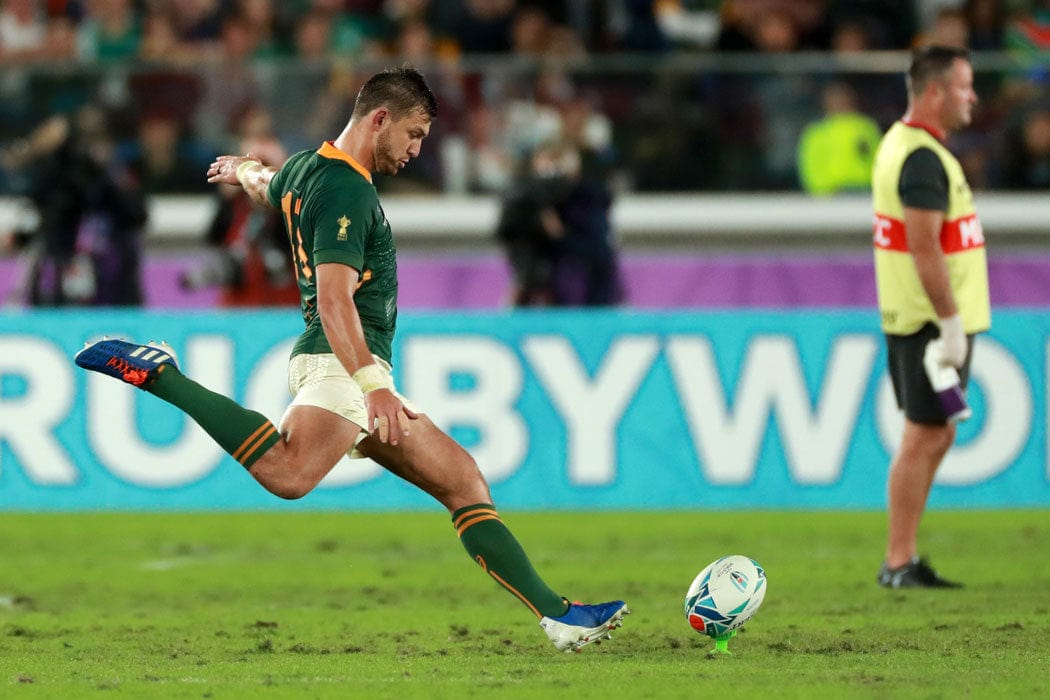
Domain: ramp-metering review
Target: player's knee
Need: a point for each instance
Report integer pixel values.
(288, 481)
(469, 474)
(290, 489)
(475, 485)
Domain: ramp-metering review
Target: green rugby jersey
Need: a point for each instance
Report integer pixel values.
(332, 214)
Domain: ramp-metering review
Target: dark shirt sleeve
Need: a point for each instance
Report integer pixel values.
(924, 183)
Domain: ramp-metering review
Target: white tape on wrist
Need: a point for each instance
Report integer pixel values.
(244, 168)
(370, 378)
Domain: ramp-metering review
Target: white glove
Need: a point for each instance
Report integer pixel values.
(953, 341)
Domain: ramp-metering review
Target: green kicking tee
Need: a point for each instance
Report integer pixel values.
(332, 214)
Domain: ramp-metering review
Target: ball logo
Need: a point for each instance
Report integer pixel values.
(725, 595)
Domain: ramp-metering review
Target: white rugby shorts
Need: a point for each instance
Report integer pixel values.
(322, 381)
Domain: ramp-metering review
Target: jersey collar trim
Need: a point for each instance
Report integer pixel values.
(925, 127)
(328, 150)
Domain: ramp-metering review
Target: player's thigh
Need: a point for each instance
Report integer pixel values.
(312, 432)
(428, 458)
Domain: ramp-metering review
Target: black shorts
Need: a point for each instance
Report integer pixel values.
(912, 388)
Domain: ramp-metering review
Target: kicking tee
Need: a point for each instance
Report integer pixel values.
(914, 169)
(332, 214)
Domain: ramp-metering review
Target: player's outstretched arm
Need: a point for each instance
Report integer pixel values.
(244, 171)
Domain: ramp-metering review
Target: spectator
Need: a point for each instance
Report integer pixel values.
(1027, 161)
(313, 36)
(688, 23)
(555, 224)
(359, 27)
(415, 43)
(949, 28)
(890, 24)
(307, 81)
(587, 273)
(530, 32)
(491, 164)
(27, 33)
(565, 43)
(110, 31)
(23, 29)
(771, 25)
(781, 103)
(874, 93)
(850, 35)
(987, 22)
(530, 229)
(249, 260)
(633, 26)
(111, 230)
(229, 85)
(164, 38)
(485, 25)
(87, 248)
(167, 161)
(836, 152)
(198, 23)
(259, 20)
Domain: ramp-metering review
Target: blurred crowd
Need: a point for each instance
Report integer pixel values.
(180, 75)
(555, 105)
(195, 30)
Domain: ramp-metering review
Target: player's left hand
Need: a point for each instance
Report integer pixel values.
(388, 418)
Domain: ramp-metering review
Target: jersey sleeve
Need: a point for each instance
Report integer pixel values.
(341, 217)
(276, 187)
(924, 182)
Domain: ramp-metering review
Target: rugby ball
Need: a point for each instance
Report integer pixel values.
(725, 595)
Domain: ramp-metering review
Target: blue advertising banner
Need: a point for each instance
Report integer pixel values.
(562, 409)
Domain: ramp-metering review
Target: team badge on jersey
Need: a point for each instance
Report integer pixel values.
(343, 222)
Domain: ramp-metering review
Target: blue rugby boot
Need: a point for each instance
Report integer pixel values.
(584, 624)
(135, 364)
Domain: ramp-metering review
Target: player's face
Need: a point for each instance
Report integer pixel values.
(399, 141)
(959, 96)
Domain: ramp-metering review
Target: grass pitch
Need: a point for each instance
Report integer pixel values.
(333, 605)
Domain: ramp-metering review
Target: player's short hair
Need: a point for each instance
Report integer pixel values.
(401, 90)
(931, 63)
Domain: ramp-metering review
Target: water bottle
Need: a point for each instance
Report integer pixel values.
(945, 382)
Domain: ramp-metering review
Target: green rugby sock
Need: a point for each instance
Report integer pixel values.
(243, 433)
(492, 546)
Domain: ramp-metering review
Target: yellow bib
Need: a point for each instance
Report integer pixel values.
(903, 302)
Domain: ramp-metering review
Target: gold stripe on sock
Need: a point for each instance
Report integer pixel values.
(471, 513)
(266, 427)
(474, 521)
(516, 592)
(258, 444)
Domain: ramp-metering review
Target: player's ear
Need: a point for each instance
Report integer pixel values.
(380, 117)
